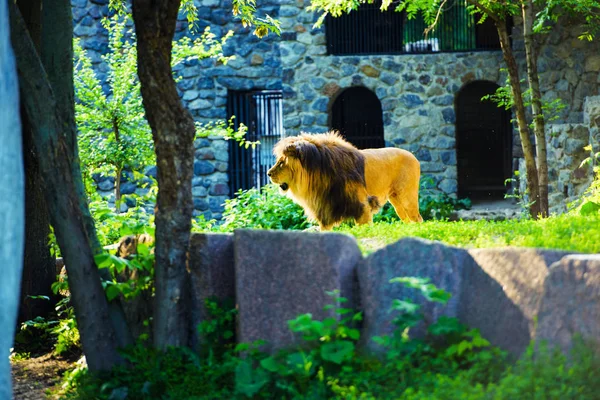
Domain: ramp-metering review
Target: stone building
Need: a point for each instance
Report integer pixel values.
(376, 79)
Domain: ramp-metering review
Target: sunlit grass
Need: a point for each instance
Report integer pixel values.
(564, 232)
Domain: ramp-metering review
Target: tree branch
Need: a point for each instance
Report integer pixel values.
(485, 10)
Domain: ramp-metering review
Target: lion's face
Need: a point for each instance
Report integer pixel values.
(281, 173)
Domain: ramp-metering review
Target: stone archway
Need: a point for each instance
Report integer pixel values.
(356, 113)
(483, 143)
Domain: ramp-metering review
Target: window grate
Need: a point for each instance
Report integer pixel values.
(262, 113)
(368, 30)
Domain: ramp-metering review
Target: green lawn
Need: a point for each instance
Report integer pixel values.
(566, 232)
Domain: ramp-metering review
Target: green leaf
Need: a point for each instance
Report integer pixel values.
(270, 364)
(249, 381)
(112, 292)
(40, 297)
(590, 208)
(337, 351)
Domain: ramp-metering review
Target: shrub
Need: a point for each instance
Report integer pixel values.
(326, 365)
(263, 209)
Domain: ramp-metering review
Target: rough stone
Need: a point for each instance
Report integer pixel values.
(282, 274)
(370, 71)
(256, 59)
(219, 189)
(128, 188)
(212, 275)
(203, 168)
(521, 272)
(407, 258)
(200, 204)
(106, 185)
(570, 303)
(199, 191)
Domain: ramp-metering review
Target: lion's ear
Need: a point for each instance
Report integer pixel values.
(308, 154)
(291, 150)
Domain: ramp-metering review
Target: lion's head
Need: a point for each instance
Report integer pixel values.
(322, 173)
(282, 173)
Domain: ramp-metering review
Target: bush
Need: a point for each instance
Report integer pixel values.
(268, 209)
(262, 209)
(326, 365)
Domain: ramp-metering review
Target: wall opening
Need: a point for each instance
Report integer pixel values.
(356, 113)
(262, 112)
(483, 143)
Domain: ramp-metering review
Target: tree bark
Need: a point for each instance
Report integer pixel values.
(515, 84)
(57, 58)
(539, 126)
(12, 201)
(91, 308)
(173, 133)
(39, 266)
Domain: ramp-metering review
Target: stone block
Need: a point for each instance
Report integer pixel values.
(211, 275)
(521, 272)
(407, 258)
(282, 274)
(478, 300)
(570, 304)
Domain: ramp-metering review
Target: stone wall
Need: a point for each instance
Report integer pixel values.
(203, 87)
(417, 92)
(512, 295)
(567, 178)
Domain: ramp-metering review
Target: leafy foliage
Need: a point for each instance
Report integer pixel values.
(262, 209)
(450, 362)
(589, 203)
(58, 330)
(113, 132)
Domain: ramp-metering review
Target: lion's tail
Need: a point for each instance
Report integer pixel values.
(373, 203)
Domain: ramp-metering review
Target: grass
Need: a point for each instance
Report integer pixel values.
(565, 232)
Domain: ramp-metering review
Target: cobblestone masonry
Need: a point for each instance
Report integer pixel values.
(417, 92)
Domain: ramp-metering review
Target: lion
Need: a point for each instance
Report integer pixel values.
(332, 180)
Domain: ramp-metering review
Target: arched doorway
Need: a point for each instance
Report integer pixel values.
(357, 114)
(483, 143)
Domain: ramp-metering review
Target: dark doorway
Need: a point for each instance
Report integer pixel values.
(483, 143)
(356, 114)
(262, 112)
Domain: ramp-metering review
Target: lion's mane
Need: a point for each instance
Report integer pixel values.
(328, 172)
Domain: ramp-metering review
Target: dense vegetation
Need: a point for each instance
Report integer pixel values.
(451, 362)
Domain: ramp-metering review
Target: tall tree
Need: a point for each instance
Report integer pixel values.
(12, 201)
(539, 123)
(173, 132)
(48, 122)
(39, 270)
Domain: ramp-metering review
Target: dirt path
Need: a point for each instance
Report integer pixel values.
(32, 377)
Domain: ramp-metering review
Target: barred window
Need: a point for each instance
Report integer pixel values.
(368, 30)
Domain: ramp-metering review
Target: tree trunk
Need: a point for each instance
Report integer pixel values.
(91, 308)
(57, 57)
(515, 84)
(173, 133)
(39, 266)
(12, 201)
(119, 169)
(539, 127)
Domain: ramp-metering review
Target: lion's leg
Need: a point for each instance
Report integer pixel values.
(395, 200)
(407, 208)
